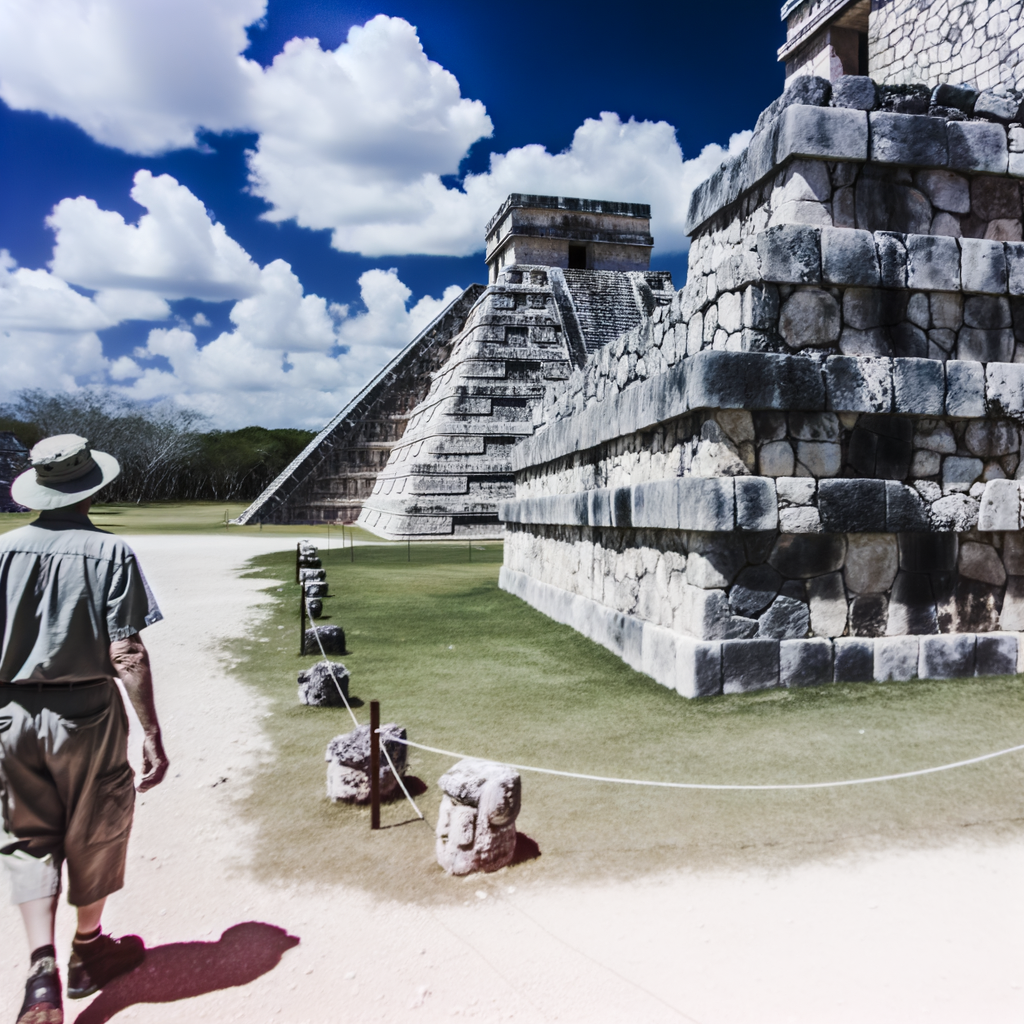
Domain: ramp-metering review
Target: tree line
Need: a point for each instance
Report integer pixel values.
(166, 453)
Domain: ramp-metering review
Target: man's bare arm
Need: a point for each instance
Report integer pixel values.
(131, 659)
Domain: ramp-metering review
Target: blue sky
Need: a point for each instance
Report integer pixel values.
(294, 222)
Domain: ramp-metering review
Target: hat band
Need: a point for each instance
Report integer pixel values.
(64, 475)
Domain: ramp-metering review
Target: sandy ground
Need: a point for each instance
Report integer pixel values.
(934, 936)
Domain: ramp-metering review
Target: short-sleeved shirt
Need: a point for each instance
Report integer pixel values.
(67, 589)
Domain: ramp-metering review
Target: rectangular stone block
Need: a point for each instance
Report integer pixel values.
(977, 146)
(995, 654)
(757, 506)
(848, 257)
(1000, 506)
(1014, 267)
(965, 389)
(753, 380)
(508, 511)
(1004, 388)
(790, 254)
(805, 662)
(982, 266)
(599, 507)
(947, 656)
(896, 658)
(857, 384)
(891, 248)
(698, 667)
(823, 132)
(656, 505)
(854, 659)
(749, 665)
(919, 387)
(933, 262)
(707, 504)
(909, 139)
(974, 344)
(622, 508)
(905, 510)
(658, 654)
(852, 506)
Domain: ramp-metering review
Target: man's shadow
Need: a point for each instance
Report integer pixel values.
(181, 970)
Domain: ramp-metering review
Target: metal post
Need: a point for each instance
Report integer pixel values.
(374, 764)
(470, 549)
(297, 562)
(302, 621)
(408, 549)
(351, 544)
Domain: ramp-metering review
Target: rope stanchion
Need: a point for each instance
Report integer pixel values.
(355, 721)
(710, 785)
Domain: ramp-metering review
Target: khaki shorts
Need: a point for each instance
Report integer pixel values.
(66, 790)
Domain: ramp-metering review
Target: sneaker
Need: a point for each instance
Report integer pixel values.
(42, 995)
(97, 963)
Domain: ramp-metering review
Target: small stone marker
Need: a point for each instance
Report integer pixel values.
(312, 575)
(332, 638)
(317, 687)
(348, 764)
(315, 607)
(476, 824)
(315, 588)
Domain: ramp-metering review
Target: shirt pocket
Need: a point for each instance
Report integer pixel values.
(113, 805)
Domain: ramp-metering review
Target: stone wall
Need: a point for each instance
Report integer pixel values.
(978, 42)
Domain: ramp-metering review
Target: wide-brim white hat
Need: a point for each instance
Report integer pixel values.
(65, 471)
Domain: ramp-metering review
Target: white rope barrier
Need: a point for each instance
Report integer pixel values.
(348, 707)
(710, 785)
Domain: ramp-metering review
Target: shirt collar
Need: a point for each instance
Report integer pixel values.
(69, 516)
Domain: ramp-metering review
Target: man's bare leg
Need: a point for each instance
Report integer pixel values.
(89, 917)
(38, 916)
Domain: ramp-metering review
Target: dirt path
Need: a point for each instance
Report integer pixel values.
(934, 936)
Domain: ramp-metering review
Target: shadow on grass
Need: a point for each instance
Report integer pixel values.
(183, 970)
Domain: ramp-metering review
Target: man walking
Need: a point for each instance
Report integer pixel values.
(72, 603)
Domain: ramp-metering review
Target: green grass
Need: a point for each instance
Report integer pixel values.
(190, 517)
(465, 666)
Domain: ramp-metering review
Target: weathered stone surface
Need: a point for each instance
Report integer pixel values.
(749, 665)
(959, 473)
(871, 562)
(947, 309)
(945, 189)
(912, 605)
(981, 346)
(869, 615)
(756, 503)
(786, 618)
(947, 656)
(809, 318)
(896, 658)
(995, 655)
(998, 107)
(851, 506)
(1000, 506)
(805, 662)
(954, 512)
(826, 599)
(819, 458)
(908, 139)
(982, 266)
(332, 639)
(977, 147)
(829, 133)
(854, 660)
(809, 90)
(995, 198)
(314, 607)
(307, 575)
(713, 561)
(981, 561)
(315, 589)
(987, 311)
(892, 258)
(317, 686)
(790, 253)
(1015, 267)
(965, 389)
(802, 556)
(755, 588)
(924, 552)
(858, 384)
(348, 763)
(777, 459)
(919, 386)
(857, 92)
(933, 263)
(881, 446)
(904, 508)
(848, 257)
(961, 97)
(1004, 389)
(1012, 614)
(476, 824)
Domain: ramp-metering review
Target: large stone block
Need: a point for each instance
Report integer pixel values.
(786, 618)
(790, 254)
(982, 266)
(810, 319)
(858, 384)
(757, 506)
(805, 662)
(977, 146)
(599, 507)
(946, 656)
(1014, 267)
(622, 508)
(985, 346)
(753, 380)
(705, 613)
(754, 590)
(946, 190)
(995, 654)
(912, 608)
(707, 504)
(871, 562)
(801, 556)
(908, 139)
(826, 598)
(933, 263)
(1004, 389)
(905, 510)
(1000, 506)
(749, 665)
(919, 386)
(965, 389)
(858, 92)
(981, 562)
(896, 658)
(892, 258)
(656, 505)
(698, 667)
(854, 660)
(823, 132)
(852, 506)
(848, 257)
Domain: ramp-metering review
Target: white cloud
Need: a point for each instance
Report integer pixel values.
(201, 319)
(140, 76)
(175, 251)
(354, 140)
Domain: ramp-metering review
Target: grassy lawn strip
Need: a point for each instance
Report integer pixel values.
(465, 666)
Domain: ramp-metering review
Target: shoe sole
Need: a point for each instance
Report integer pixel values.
(83, 993)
